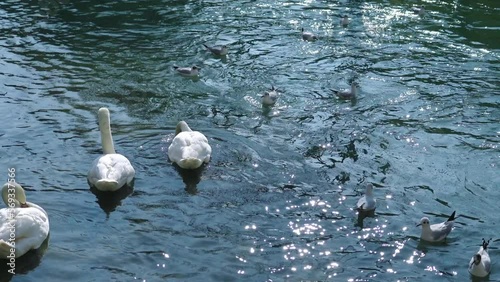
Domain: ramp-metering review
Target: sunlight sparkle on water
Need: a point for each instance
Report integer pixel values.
(250, 227)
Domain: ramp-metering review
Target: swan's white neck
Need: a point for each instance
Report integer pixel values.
(105, 128)
(182, 126)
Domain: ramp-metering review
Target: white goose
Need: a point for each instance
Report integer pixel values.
(111, 171)
(189, 149)
(30, 222)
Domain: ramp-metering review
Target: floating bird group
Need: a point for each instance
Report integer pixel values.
(188, 150)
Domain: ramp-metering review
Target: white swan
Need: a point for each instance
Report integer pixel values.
(28, 221)
(189, 149)
(111, 171)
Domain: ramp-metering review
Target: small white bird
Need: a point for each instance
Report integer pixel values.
(345, 20)
(188, 71)
(270, 97)
(436, 232)
(189, 149)
(346, 94)
(480, 264)
(419, 11)
(110, 171)
(30, 222)
(367, 202)
(308, 36)
(217, 50)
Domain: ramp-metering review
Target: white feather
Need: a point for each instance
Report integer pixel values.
(367, 202)
(189, 149)
(111, 171)
(29, 221)
(480, 263)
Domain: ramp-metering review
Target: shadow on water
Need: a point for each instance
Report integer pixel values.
(108, 201)
(362, 215)
(190, 177)
(23, 264)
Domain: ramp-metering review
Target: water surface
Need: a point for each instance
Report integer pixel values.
(276, 201)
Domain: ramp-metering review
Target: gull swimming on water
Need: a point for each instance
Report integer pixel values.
(436, 232)
(346, 94)
(217, 50)
(345, 20)
(367, 202)
(188, 71)
(308, 36)
(270, 97)
(480, 264)
(419, 11)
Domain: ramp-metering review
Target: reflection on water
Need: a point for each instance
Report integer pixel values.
(275, 202)
(190, 177)
(108, 201)
(23, 264)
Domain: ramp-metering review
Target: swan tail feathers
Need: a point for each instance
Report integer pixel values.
(5, 249)
(107, 185)
(190, 163)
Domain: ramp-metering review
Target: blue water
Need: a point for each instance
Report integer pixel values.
(276, 201)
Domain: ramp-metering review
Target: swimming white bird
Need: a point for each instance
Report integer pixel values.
(346, 94)
(419, 11)
(480, 264)
(367, 202)
(29, 221)
(111, 171)
(188, 71)
(217, 50)
(345, 20)
(270, 97)
(189, 149)
(436, 232)
(308, 36)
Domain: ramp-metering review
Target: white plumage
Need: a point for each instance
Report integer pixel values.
(111, 171)
(270, 97)
(29, 221)
(217, 50)
(436, 232)
(480, 264)
(367, 202)
(189, 149)
(188, 71)
(308, 36)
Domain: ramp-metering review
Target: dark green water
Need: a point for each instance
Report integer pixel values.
(275, 202)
